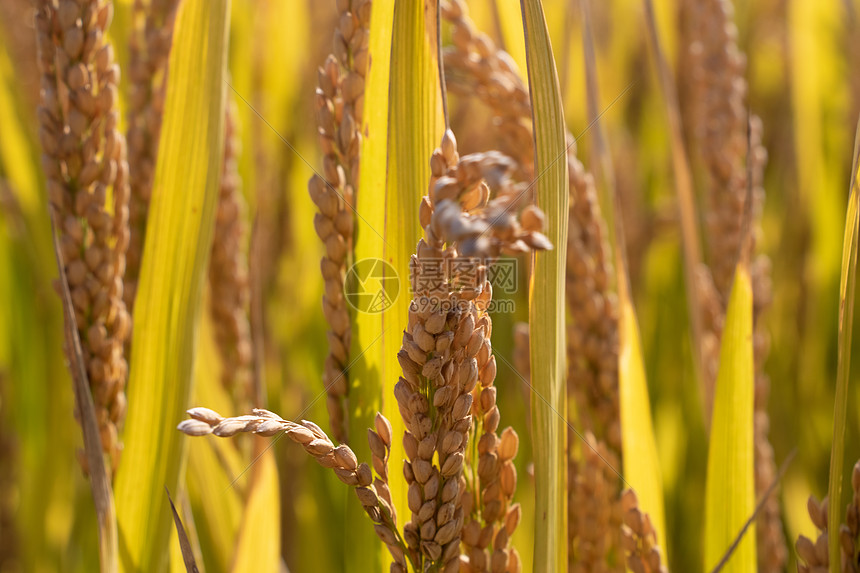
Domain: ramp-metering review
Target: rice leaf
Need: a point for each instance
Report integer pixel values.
(547, 302)
(847, 284)
(730, 485)
(367, 376)
(170, 293)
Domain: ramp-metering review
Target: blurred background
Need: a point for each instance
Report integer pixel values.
(802, 69)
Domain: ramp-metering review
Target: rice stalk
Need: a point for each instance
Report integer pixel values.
(637, 538)
(448, 372)
(87, 177)
(228, 274)
(340, 107)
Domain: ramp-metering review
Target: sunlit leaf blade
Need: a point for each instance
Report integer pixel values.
(730, 486)
(847, 285)
(366, 379)
(547, 299)
(639, 447)
(259, 544)
(170, 293)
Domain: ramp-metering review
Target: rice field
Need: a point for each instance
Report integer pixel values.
(526, 286)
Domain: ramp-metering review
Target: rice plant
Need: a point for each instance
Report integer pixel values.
(535, 286)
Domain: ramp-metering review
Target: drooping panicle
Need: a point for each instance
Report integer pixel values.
(340, 459)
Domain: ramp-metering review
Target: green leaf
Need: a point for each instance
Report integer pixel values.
(547, 300)
(847, 285)
(730, 485)
(170, 293)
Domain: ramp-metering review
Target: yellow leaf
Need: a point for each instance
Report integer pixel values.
(730, 485)
(259, 545)
(639, 447)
